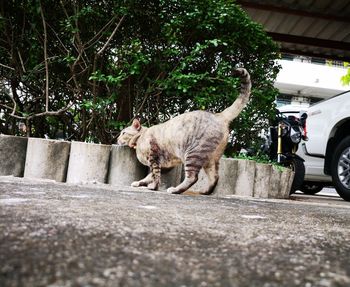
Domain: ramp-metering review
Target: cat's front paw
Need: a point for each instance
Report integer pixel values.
(135, 184)
(172, 190)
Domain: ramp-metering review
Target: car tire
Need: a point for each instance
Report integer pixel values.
(311, 188)
(297, 165)
(340, 168)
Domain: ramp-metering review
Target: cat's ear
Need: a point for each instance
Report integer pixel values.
(136, 124)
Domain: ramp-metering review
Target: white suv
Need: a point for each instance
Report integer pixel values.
(327, 152)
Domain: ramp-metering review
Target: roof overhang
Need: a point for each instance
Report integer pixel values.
(311, 28)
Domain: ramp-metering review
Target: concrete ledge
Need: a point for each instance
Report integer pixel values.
(124, 168)
(275, 178)
(285, 183)
(248, 178)
(245, 178)
(118, 165)
(47, 159)
(88, 162)
(12, 155)
(228, 171)
(171, 177)
(262, 180)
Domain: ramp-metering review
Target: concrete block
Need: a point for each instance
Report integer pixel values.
(227, 178)
(275, 179)
(291, 178)
(88, 162)
(228, 171)
(171, 177)
(262, 180)
(124, 168)
(47, 159)
(286, 180)
(245, 177)
(12, 155)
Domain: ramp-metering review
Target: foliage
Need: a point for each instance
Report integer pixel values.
(346, 78)
(108, 61)
(262, 158)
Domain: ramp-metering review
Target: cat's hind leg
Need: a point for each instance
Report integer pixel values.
(191, 176)
(212, 172)
(190, 179)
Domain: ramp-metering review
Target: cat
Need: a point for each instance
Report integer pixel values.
(197, 139)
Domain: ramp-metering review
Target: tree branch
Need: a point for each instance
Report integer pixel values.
(98, 35)
(111, 36)
(46, 113)
(21, 60)
(98, 54)
(7, 67)
(46, 61)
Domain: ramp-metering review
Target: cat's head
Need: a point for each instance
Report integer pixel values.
(129, 135)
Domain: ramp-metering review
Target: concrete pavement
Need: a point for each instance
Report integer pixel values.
(55, 234)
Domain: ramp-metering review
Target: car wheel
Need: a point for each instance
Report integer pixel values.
(297, 165)
(311, 188)
(340, 169)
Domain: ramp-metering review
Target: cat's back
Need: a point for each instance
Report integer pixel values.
(194, 120)
(191, 125)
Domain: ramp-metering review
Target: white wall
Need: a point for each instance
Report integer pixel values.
(310, 80)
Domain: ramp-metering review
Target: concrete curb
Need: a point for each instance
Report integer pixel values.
(13, 152)
(171, 177)
(88, 162)
(47, 159)
(228, 171)
(262, 180)
(80, 162)
(249, 178)
(275, 179)
(286, 180)
(245, 177)
(124, 168)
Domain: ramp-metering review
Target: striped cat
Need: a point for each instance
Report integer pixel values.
(197, 139)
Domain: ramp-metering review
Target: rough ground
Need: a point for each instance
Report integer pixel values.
(64, 235)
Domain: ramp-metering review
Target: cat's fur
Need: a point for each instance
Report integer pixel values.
(197, 139)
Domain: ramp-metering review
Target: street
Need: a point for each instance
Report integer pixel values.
(327, 196)
(55, 234)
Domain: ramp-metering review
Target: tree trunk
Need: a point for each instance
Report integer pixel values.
(125, 101)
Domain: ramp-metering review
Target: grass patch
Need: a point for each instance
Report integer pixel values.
(264, 159)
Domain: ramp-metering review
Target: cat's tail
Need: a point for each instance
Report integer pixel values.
(238, 105)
